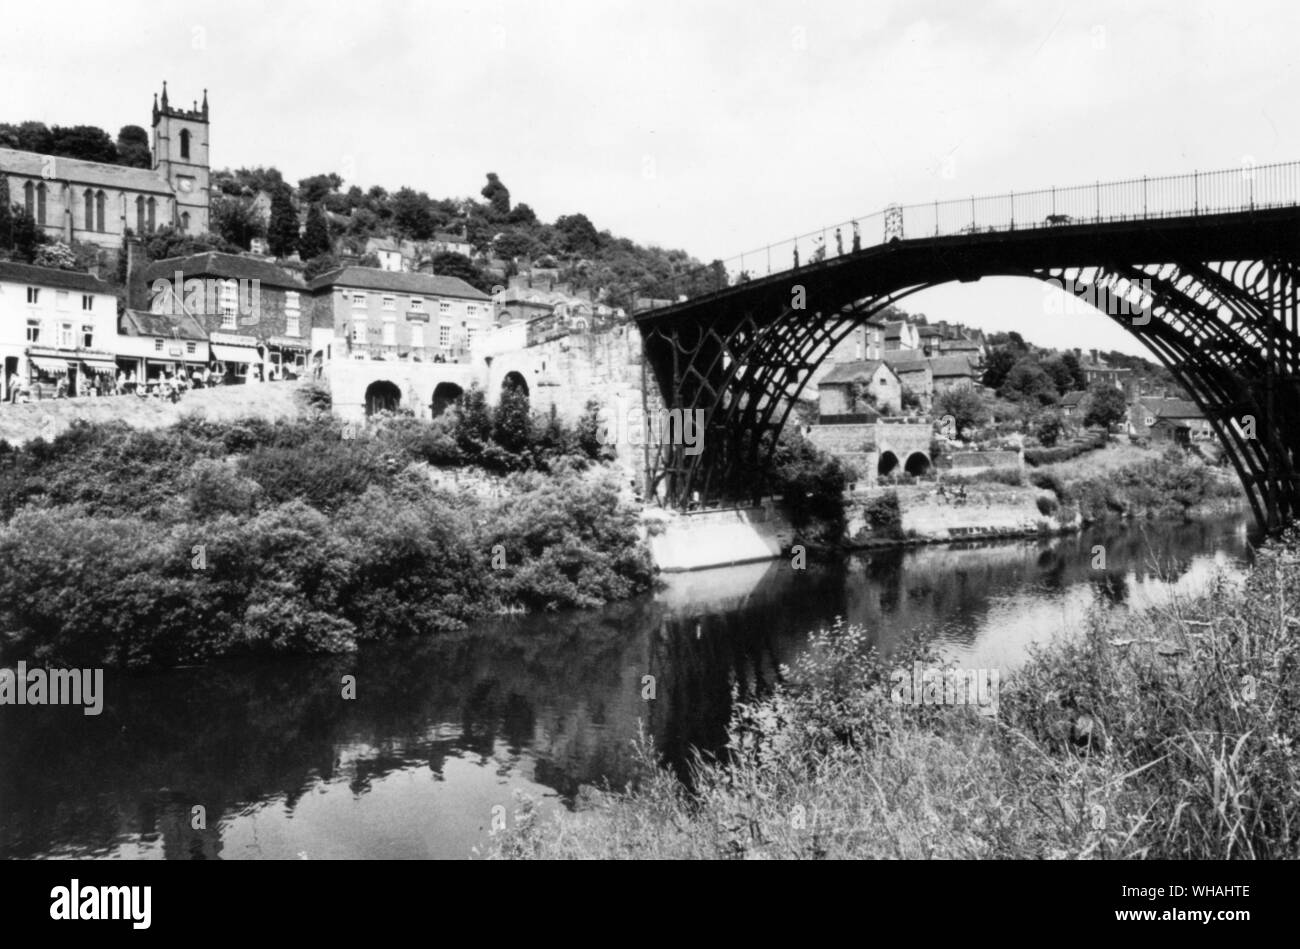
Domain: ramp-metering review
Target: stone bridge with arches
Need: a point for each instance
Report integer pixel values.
(1203, 269)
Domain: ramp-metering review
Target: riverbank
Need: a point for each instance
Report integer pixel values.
(143, 549)
(1169, 734)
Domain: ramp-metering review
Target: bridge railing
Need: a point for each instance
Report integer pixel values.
(1245, 188)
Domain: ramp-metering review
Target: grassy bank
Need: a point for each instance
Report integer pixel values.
(1167, 735)
(137, 548)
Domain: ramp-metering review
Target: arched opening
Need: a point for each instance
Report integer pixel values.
(515, 380)
(917, 464)
(185, 221)
(90, 209)
(444, 396)
(888, 464)
(185, 143)
(40, 203)
(382, 396)
(100, 203)
(139, 214)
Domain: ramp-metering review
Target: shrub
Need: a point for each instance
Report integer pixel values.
(1048, 505)
(884, 515)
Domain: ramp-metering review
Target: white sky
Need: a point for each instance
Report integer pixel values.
(710, 126)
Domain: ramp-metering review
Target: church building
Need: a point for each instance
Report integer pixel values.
(95, 203)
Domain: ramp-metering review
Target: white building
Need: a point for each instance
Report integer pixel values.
(55, 326)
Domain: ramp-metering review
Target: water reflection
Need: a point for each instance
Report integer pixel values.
(442, 731)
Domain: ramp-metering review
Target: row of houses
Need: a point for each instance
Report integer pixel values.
(238, 316)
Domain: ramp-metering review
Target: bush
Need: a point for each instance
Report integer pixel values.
(1048, 505)
(884, 516)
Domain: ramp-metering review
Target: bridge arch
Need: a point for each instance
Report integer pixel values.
(1218, 307)
(917, 464)
(382, 396)
(887, 464)
(445, 394)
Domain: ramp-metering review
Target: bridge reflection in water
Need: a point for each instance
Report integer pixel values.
(442, 731)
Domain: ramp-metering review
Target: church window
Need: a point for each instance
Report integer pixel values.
(40, 203)
(139, 215)
(29, 199)
(90, 210)
(185, 143)
(152, 205)
(185, 220)
(100, 202)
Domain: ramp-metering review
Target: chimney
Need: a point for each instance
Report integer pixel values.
(1095, 360)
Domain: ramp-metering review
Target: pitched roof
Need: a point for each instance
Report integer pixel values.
(1173, 408)
(951, 366)
(232, 266)
(855, 371)
(449, 239)
(144, 323)
(1072, 398)
(907, 360)
(52, 277)
(371, 278)
(962, 343)
(35, 165)
(894, 330)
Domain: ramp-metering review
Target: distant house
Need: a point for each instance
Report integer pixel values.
(1071, 404)
(451, 244)
(1181, 416)
(901, 335)
(951, 372)
(914, 374)
(851, 388)
(1098, 372)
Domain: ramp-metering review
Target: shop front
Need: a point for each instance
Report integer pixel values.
(286, 358)
(236, 359)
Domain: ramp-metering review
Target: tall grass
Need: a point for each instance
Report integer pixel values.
(1168, 735)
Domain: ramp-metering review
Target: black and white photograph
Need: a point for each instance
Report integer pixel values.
(651, 431)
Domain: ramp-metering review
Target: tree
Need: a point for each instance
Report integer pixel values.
(448, 264)
(27, 236)
(57, 256)
(133, 147)
(27, 137)
(497, 194)
(965, 405)
(577, 235)
(1048, 427)
(1059, 373)
(234, 220)
(168, 242)
(999, 365)
(1079, 381)
(315, 238)
(413, 214)
(1107, 406)
(521, 214)
(513, 244)
(512, 422)
(1028, 380)
(282, 231)
(314, 189)
(85, 142)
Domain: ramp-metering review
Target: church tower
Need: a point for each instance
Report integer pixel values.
(180, 155)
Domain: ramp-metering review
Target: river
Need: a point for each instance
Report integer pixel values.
(441, 732)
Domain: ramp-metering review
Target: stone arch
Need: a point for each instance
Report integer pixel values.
(918, 463)
(382, 396)
(887, 464)
(445, 394)
(515, 380)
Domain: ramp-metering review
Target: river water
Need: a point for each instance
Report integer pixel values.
(442, 732)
